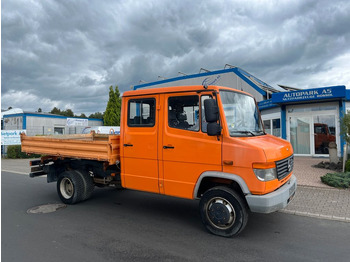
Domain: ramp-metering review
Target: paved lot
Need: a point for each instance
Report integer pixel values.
(307, 174)
(126, 225)
(20, 166)
(313, 198)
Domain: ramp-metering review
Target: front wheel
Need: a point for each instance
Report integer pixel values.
(223, 211)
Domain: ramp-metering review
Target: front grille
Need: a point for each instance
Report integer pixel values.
(284, 167)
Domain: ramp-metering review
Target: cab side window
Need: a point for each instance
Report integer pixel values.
(141, 112)
(183, 112)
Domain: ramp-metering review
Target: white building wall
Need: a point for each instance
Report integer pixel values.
(229, 79)
(271, 113)
(13, 123)
(95, 122)
(347, 107)
(45, 125)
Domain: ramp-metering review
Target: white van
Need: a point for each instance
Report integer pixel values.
(102, 130)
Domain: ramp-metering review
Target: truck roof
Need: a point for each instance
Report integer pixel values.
(174, 89)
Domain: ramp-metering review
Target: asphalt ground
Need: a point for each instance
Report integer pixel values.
(312, 199)
(126, 225)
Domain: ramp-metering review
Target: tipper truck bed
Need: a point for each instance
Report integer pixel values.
(89, 146)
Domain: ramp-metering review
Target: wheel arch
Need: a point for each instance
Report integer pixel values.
(211, 179)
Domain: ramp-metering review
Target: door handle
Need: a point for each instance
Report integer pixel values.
(128, 145)
(168, 147)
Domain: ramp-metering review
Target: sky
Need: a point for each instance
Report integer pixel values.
(66, 53)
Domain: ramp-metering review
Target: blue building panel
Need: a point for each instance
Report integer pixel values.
(347, 94)
(322, 93)
(266, 104)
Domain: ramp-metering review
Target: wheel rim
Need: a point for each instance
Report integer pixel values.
(220, 213)
(66, 188)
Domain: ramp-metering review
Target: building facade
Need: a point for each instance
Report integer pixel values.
(47, 124)
(12, 124)
(308, 118)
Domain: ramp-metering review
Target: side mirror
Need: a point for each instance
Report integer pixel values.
(213, 129)
(211, 110)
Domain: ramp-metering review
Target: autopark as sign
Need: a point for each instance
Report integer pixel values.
(11, 137)
(309, 94)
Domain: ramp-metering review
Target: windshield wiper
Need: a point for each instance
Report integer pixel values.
(260, 131)
(244, 132)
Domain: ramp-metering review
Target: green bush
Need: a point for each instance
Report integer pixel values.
(339, 180)
(15, 152)
(347, 166)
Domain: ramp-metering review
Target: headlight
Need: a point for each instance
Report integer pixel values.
(265, 174)
(265, 171)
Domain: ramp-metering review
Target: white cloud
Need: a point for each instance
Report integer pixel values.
(67, 53)
(28, 101)
(337, 72)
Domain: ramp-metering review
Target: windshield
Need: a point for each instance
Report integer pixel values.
(241, 114)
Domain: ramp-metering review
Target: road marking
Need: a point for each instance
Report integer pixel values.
(15, 172)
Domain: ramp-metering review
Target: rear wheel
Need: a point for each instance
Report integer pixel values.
(70, 187)
(223, 211)
(88, 183)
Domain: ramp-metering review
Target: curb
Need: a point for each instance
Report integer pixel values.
(313, 215)
(326, 187)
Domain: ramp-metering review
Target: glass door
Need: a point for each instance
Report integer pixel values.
(300, 134)
(324, 133)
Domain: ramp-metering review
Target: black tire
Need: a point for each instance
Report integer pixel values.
(223, 211)
(88, 183)
(70, 187)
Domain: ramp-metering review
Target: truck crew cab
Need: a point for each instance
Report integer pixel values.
(195, 142)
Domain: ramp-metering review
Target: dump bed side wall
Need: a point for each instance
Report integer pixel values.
(92, 147)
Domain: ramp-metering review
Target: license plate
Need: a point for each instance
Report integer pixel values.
(290, 198)
(292, 190)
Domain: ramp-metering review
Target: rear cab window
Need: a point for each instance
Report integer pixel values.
(141, 112)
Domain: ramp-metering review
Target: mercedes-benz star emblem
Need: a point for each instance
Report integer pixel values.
(289, 165)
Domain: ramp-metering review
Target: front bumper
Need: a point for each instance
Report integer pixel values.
(273, 201)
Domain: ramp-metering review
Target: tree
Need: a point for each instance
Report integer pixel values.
(82, 115)
(118, 105)
(56, 111)
(112, 114)
(345, 127)
(97, 115)
(40, 110)
(68, 113)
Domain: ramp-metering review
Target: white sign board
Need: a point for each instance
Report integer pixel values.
(11, 137)
(77, 122)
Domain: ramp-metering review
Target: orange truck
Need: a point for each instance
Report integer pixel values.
(197, 142)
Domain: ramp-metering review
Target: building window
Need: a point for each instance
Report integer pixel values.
(267, 125)
(273, 126)
(183, 112)
(59, 130)
(141, 112)
(276, 127)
